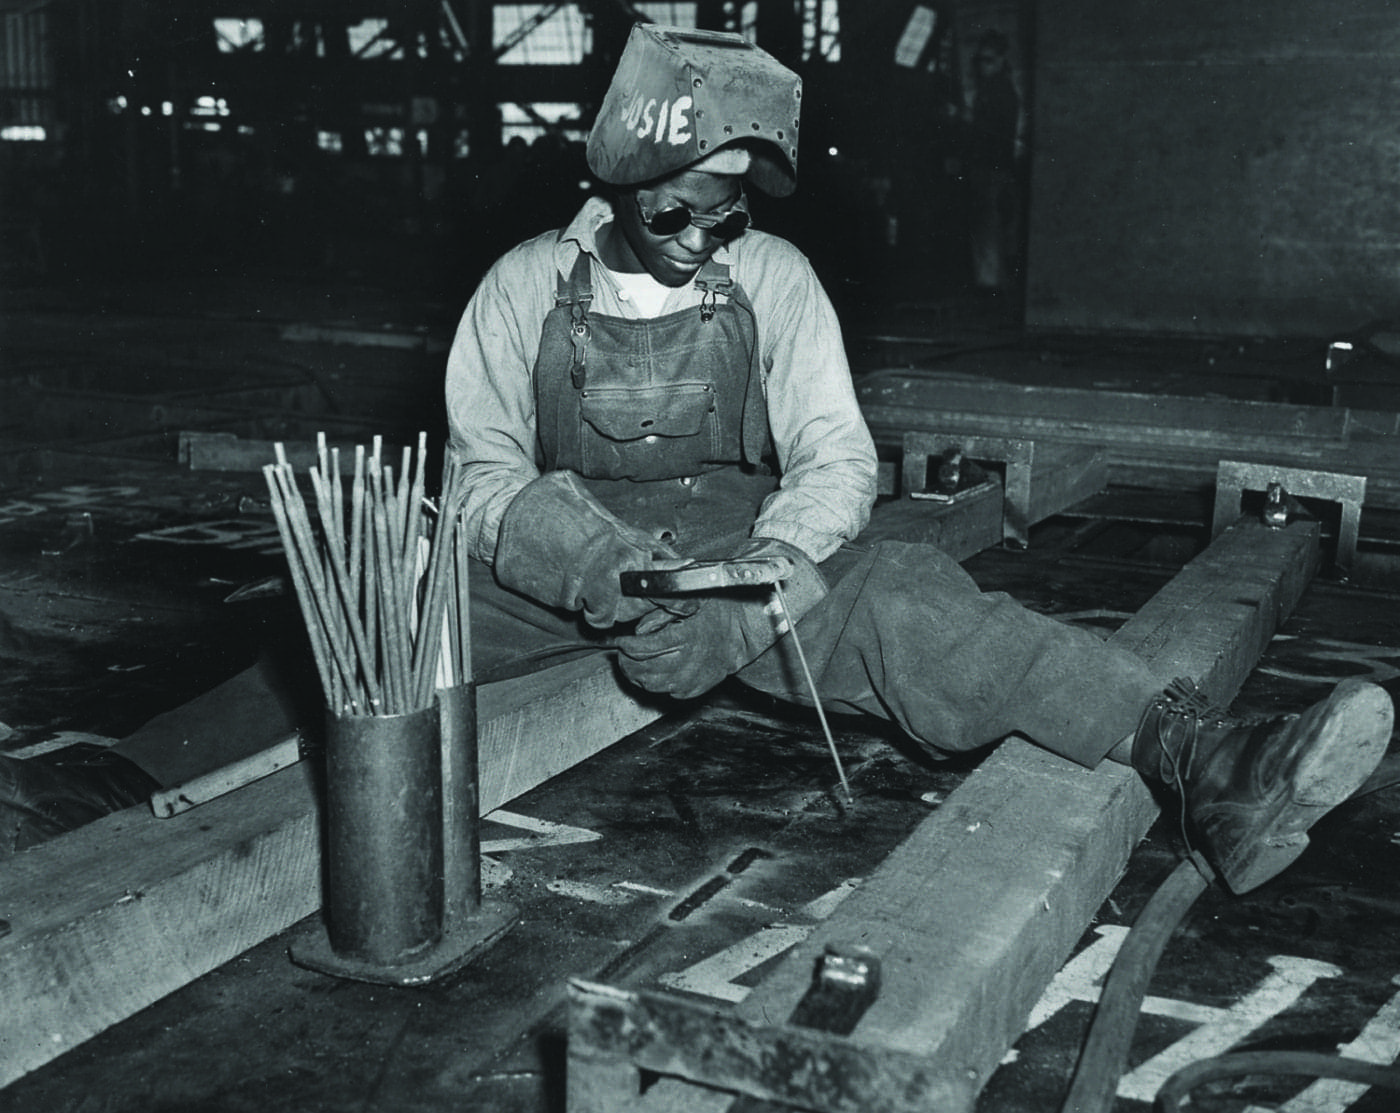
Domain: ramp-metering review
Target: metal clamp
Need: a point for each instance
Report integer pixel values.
(1016, 455)
(1284, 485)
(1042, 478)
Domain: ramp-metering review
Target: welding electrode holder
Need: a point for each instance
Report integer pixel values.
(699, 576)
(402, 884)
(707, 575)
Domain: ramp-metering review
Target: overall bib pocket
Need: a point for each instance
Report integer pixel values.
(645, 432)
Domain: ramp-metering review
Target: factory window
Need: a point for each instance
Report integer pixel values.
(372, 38)
(307, 39)
(330, 141)
(23, 133)
(209, 106)
(676, 15)
(237, 35)
(821, 30)
(540, 34)
(393, 142)
(529, 121)
(918, 32)
(384, 142)
(741, 19)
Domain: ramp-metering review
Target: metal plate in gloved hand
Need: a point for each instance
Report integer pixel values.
(707, 575)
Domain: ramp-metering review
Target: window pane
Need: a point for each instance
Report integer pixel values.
(559, 38)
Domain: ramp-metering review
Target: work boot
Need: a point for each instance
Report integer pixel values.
(47, 795)
(1251, 790)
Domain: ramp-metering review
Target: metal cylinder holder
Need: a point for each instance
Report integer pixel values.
(384, 853)
(461, 805)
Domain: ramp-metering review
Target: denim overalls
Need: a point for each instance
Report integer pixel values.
(664, 418)
(666, 422)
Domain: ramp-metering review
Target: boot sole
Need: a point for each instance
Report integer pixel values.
(1351, 736)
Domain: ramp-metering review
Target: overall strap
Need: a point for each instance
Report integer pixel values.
(575, 293)
(755, 435)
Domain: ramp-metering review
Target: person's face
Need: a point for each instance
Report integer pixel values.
(672, 260)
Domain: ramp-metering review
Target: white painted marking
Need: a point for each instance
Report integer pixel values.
(715, 976)
(84, 496)
(19, 508)
(1221, 1028)
(1182, 1010)
(823, 906)
(1078, 978)
(546, 833)
(649, 890)
(1377, 1042)
(753, 905)
(583, 890)
(1290, 980)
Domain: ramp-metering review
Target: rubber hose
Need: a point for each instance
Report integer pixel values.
(1105, 1053)
(1311, 1064)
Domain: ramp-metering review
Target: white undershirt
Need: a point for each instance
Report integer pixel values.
(643, 292)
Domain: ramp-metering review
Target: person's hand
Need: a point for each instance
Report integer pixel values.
(559, 545)
(595, 587)
(686, 655)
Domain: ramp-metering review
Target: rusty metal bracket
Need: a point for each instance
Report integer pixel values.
(1041, 478)
(1016, 455)
(1234, 477)
(615, 1035)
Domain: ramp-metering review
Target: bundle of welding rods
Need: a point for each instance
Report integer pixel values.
(384, 593)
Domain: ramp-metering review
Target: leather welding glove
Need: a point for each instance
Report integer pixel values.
(687, 655)
(559, 545)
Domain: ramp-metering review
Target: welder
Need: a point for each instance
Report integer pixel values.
(662, 380)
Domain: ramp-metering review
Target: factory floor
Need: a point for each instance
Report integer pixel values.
(688, 856)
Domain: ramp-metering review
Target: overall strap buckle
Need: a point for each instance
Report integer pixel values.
(713, 279)
(576, 293)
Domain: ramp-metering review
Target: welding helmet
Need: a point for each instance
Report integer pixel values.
(706, 100)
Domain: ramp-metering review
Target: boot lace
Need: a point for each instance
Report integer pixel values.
(1185, 703)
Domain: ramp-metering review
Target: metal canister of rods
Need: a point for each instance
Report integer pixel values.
(384, 864)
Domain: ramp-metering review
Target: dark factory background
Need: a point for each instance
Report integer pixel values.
(1193, 168)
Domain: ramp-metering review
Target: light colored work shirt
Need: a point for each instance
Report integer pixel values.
(825, 454)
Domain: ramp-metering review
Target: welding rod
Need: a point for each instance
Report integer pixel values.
(812, 686)
(374, 602)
